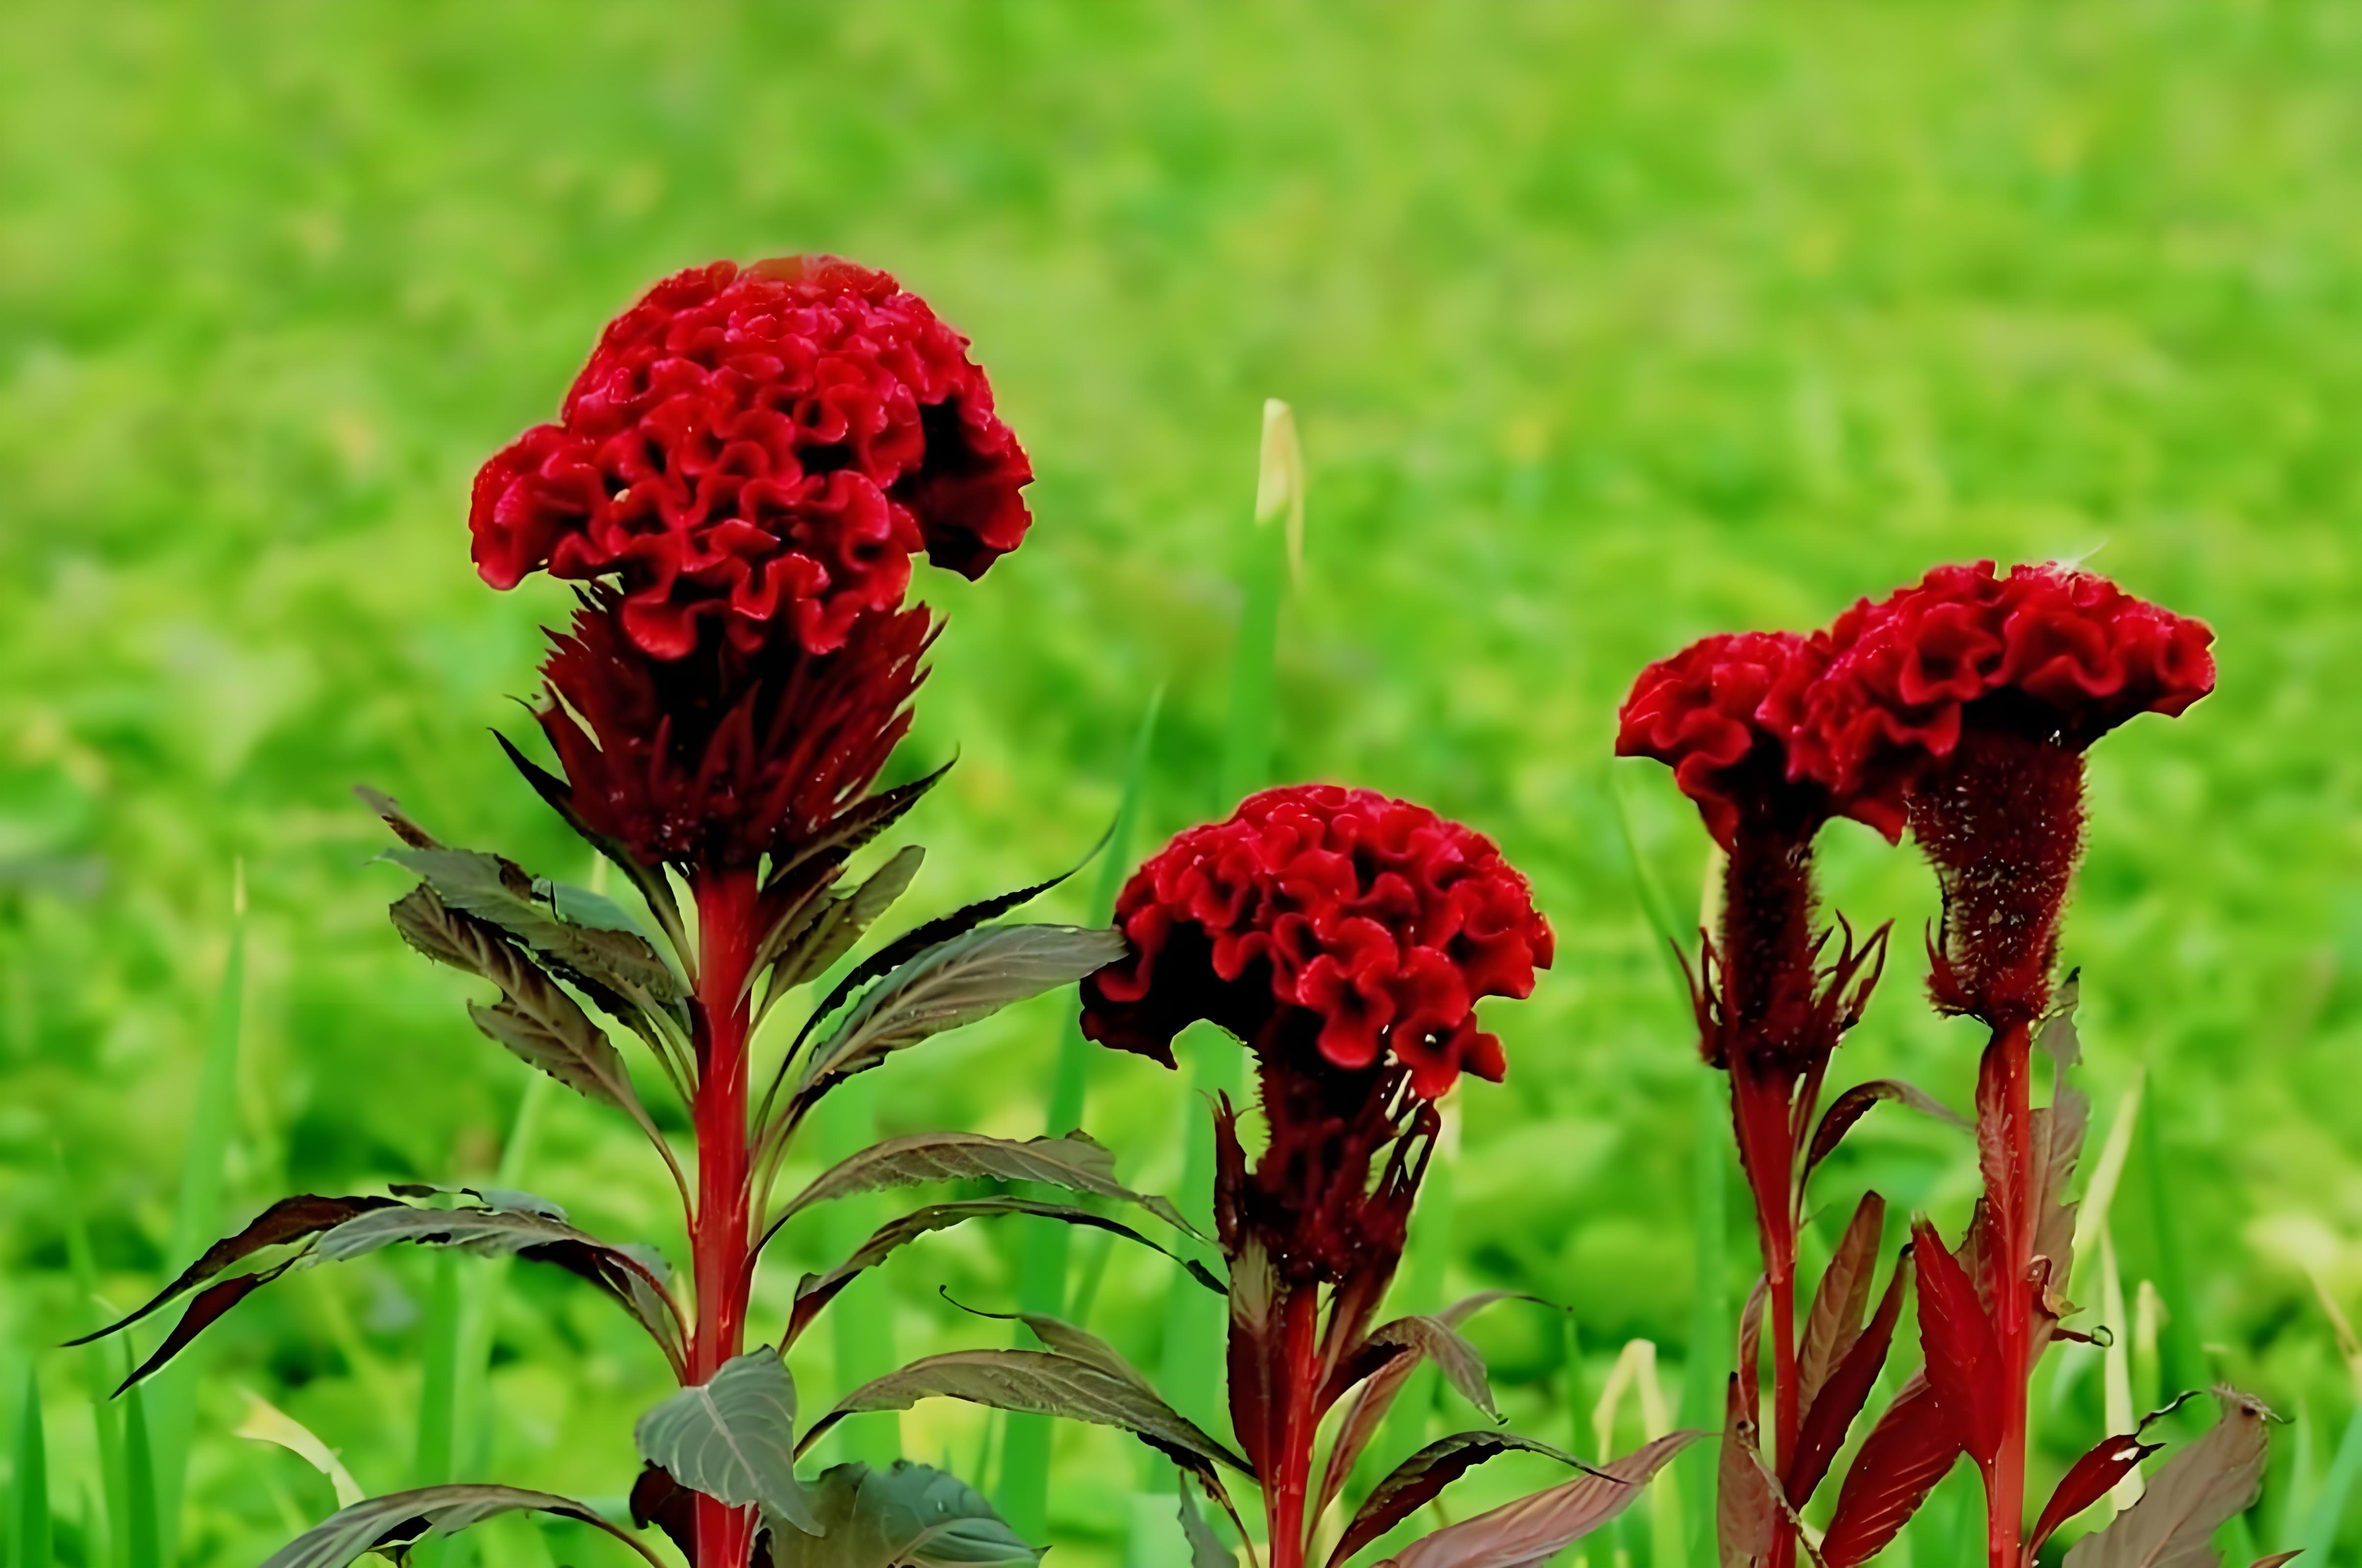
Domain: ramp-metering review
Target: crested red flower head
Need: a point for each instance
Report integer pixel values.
(766, 446)
(721, 756)
(1720, 715)
(1371, 923)
(2056, 656)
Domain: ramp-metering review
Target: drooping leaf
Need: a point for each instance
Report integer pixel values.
(499, 891)
(1205, 1547)
(633, 1276)
(732, 1438)
(1418, 1480)
(1913, 1446)
(289, 1219)
(401, 1517)
(1367, 1411)
(1070, 1339)
(816, 1290)
(860, 823)
(1854, 1104)
(2087, 1480)
(955, 982)
(648, 879)
(501, 1198)
(2186, 1501)
(534, 1017)
(1963, 1364)
(1077, 1162)
(1835, 1320)
(1533, 1528)
(1418, 1339)
(1830, 1415)
(911, 1516)
(1038, 1381)
(206, 1308)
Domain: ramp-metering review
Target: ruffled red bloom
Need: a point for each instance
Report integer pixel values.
(1720, 715)
(719, 757)
(766, 447)
(1962, 707)
(1375, 920)
(2057, 656)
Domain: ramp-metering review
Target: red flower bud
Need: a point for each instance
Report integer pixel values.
(766, 446)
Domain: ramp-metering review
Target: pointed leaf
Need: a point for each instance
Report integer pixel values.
(1840, 1400)
(911, 1516)
(289, 1219)
(2087, 1480)
(2196, 1490)
(1746, 1514)
(1375, 1395)
(810, 938)
(402, 1517)
(1854, 1104)
(861, 822)
(1963, 1365)
(1039, 1383)
(559, 797)
(1077, 1162)
(1912, 1447)
(732, 1438)
(1532, 1527)
(1205, 1547)
(265, 1423)
(1418, 1480)
(970, 977)
(499, 891)
(817, 1290)
(208, 1308)
(1418, 1339)
(1835, 1320)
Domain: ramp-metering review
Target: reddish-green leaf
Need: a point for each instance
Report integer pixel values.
(1963, 1365)
(1830, 1415)
(1912, 1447)
(289, 1219)
(1854, 1104)
(2087, 1480)
(1533, 1528)
(1420, 1478)
(1835, 1320)
(2186, 1502)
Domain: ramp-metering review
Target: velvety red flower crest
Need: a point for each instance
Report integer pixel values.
(766, 447)
(1720, 715)
(1373, 921)
(2054, 654)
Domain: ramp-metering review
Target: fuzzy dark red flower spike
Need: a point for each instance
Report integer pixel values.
(1346, 938)
(765, 447)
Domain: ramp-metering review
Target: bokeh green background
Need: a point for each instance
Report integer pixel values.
(1608, 325)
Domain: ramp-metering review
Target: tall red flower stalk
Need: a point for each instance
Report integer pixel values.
(1772, 997)
(741, 473)
(1964, 705)
(1346, 938)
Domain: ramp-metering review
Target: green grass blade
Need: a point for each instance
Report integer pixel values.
(143, 1542)
(30, 1516)
(2329, 1509)
(481, 1307)
(2183, 1360)
(1707, 1367)
(1025, 1497)
(196, 1221)
(861, 1321)
(106, 1417)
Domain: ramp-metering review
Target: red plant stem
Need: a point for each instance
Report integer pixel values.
(1762, 1116)
(2006, 1128)
(1296, 1376)
(718, 1238)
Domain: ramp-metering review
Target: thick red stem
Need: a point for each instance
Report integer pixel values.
(2003, 1103)
(1296, 1379)
(1761, 1115)
(727, 936)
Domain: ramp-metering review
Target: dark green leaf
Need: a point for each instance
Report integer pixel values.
(911, 1516)
(1077, 1162)
(401, 1517)
(971, 975)
(559, 797)
(1418, 1480)
(503, 1197)
(1419, 1338)
(1854, 1104)
(1376, 1393)
(809, 939)
(816, 1290)
(1205, 1547)
(732, 1438)
(860, 823)
(499, 891)
(1041, 1382)
(2189, 1499)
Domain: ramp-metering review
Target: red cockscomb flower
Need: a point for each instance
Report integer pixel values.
(1720, 715)
(1373, 922)
(721, 756)
(766, 446)
(1962, 706)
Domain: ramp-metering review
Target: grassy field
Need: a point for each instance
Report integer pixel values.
(1608, 325)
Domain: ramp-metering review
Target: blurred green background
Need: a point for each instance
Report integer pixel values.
(1608, 325)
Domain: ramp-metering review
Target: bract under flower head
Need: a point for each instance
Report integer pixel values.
(721, 756)
(1720, 715)
(766, 447)
(1371, 921)
(2057, 656)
